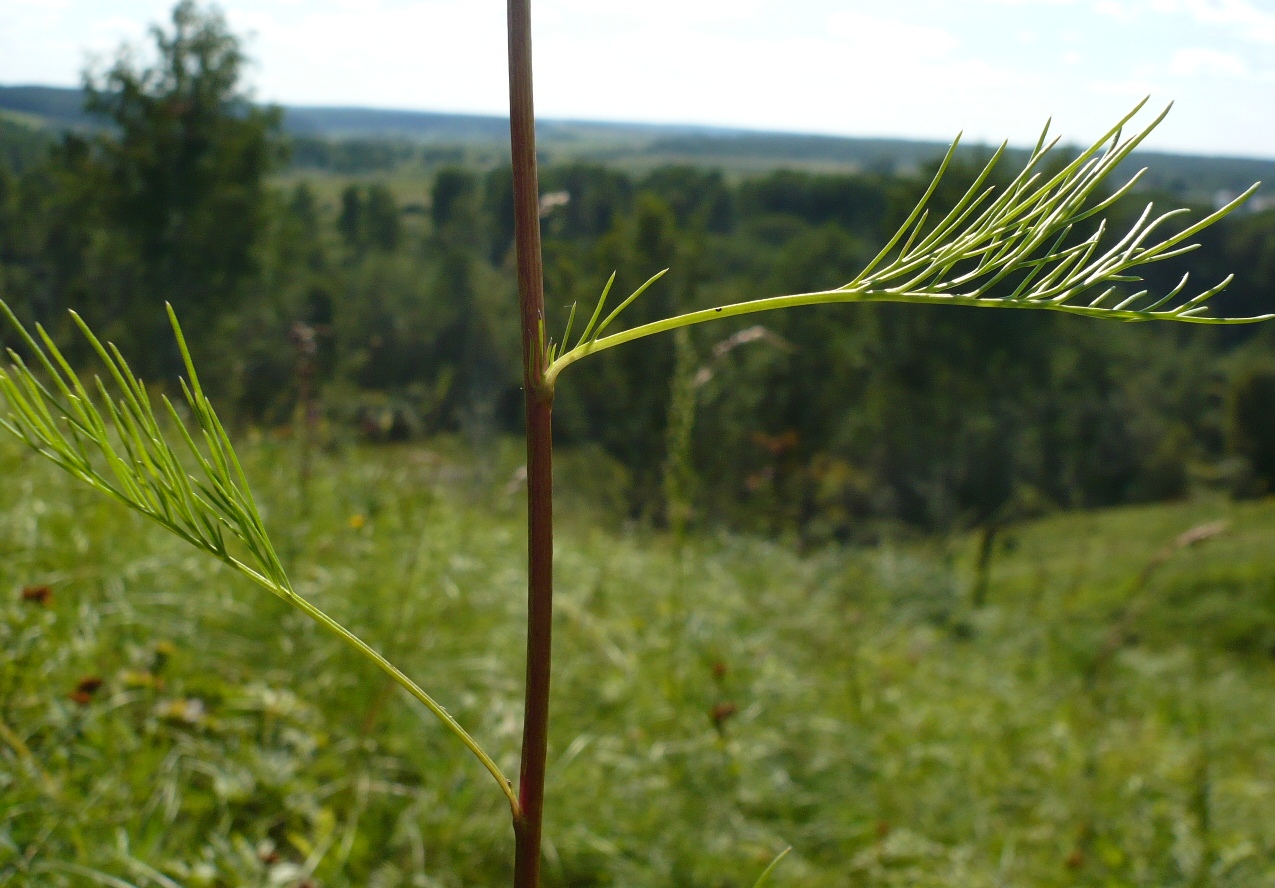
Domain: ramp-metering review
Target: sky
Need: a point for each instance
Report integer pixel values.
(994, 69)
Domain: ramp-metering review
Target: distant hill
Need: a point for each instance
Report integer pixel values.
(62, 108)
(364, 123)
(639, 145)
(55, 105)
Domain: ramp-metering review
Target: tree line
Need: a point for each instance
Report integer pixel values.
(398, 309)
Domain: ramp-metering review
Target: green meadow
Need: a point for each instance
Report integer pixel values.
(1104, 719)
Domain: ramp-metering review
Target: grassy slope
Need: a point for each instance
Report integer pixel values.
(714, 702)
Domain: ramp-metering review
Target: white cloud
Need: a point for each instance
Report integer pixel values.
(1115, 9)
(1244, 19)
(874, 34)
(385, 54)
(669, 13)
(1199, 61)
(857, 73)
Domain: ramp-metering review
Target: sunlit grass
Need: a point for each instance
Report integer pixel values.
(714, 701)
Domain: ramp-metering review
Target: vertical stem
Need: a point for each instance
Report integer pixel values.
(535, 728)
(539, 403)
(304, 338)
(983, 566)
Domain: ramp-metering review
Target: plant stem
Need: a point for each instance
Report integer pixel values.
(535, 729)
(856, 294)
(539, 403)
(983, 566)
(397, 675)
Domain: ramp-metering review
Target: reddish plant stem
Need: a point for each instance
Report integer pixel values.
(535, 728)
(539, 403)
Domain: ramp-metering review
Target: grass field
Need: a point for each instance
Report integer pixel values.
(1105, 720)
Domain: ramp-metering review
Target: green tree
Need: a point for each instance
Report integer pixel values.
(498, 207)
(631, 428)
(383, 221)
(183, 172)
(454, 203)
(350, 222)
(1250, 411)
(370, 219)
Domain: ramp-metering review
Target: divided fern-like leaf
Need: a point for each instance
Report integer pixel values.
(989, 241)
(119, 449)
(111, 439)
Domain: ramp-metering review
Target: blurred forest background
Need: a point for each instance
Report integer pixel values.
(371, 277)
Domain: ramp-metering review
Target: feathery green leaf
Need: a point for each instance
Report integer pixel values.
(985, 243)
(120, 450)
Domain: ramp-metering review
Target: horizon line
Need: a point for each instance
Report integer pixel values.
(705, 129)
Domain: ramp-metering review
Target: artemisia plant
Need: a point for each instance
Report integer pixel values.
(1038, 242)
